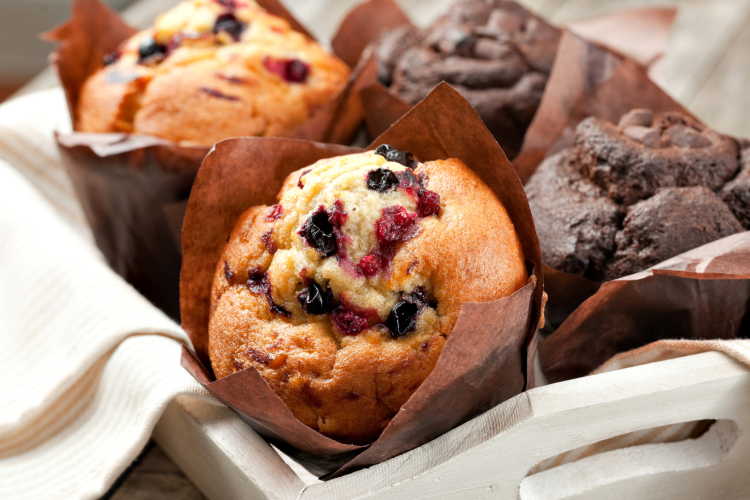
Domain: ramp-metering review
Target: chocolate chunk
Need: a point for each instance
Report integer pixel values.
(637, 117)
(646, 136)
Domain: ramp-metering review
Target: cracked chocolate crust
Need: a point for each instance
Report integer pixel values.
(495, 53)
(631, 195)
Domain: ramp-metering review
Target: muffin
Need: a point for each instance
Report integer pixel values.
(208, 70)
(494, 52)
(344, 293)
(629, 196)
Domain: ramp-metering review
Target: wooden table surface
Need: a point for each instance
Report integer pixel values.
(708, 70)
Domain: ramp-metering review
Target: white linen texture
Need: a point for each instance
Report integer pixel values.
(90, 364)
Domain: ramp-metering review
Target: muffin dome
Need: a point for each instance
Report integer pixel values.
(344, 293)
(494, 52)
(631, 195)
(209, 70)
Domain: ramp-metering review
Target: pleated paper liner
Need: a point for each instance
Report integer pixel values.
(700, 294)
(640, 34)
(488, 357)
(129, 184)
(586, 80)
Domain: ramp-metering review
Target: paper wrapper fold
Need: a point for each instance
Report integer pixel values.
(639, 34)
(488, 357)
(127, 183)
(586, 80)
(700, 294)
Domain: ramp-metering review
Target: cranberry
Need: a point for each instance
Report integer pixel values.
(228, 273)
(382, 180)
(319, 234)
(258, 356)
(291, 70)
(229, 24)
(267, 239)
(371, 264)
(110, 58)
(428, 204)
(315, 300)
(274, 213)
(275, 308)
(304, 173)
(259, 284)
(401, 319)
(348, 321)
(390, 153)
(395, 225)
(336, 215)
(149, 50)
(218, 93)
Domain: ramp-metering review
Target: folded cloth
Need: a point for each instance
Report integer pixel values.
(89, 363)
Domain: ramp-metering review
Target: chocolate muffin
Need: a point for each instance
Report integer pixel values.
(494, 52)
(209, 70)
(343, 294)
(629, 196)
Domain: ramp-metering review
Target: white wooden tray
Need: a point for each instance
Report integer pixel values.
(490, 456)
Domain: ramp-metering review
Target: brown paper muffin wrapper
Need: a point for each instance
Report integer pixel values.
(700, 294)
(586, 80)
(641, 34)
(126, 183)
(488, 357)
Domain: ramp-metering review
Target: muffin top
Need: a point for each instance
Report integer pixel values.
(629, 196)
(343, 294)
(208, 70)
(495, 53)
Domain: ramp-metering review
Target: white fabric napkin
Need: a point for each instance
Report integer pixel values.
(89, 364)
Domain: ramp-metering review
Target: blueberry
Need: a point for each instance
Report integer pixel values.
(229, 24)
(149, 48)
(401, 319)
(319, 234)
(315, 300)
(382, 180)
(390, 153)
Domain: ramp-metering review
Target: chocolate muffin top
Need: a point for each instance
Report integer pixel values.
(343, 295)
(629, 196)
(495, 53)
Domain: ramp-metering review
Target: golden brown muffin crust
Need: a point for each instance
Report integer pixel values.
(349, 386)
(203, 85)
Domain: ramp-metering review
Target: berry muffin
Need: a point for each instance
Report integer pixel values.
(495, 53)
(343, 294)
(209, 70)
(629, 196)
